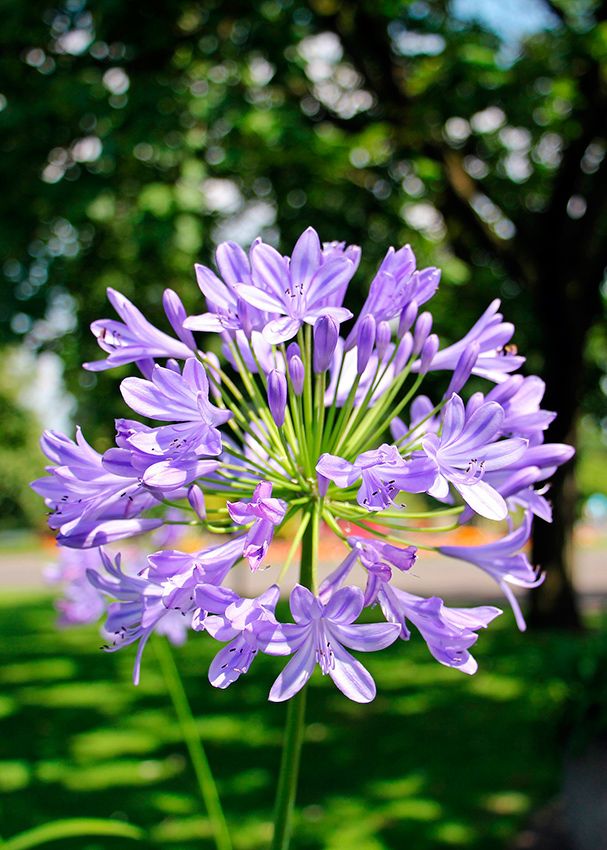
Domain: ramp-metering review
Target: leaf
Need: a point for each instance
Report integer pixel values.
(72, 828)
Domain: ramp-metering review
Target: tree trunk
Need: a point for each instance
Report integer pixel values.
(564, 329)
(554, 603)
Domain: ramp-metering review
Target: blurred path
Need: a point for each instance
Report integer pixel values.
(453, 580)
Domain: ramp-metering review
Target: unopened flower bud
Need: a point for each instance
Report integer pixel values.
(293, 350)
(384, 335)
(296, 372)
(196, 500)
(423, 326)
(405, 347)
(323, 484)
(365, 342)
(277, 395)
(407, 317)
(463, 370)
(428, 353)
(176, 314)
(326, 334)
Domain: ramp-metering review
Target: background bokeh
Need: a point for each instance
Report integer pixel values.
(135, 136)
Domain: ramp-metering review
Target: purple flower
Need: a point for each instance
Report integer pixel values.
(296, 289)
(318, 636)
(396, 284)
(227, 311)
(326, 334)
(277, 396)
(520, 398)
(422, 422)
(365, 340)
(384, 473)
(503, 561)
(448, 632)
(179, 466)
(81, 603)
(180, 573)
(495, 359)
(135, 340)
(179, 398)
(377, 557)
(90, 505)
(265, 513)
(514, 481)
(234, 619)
(466, 450)
(138, 611)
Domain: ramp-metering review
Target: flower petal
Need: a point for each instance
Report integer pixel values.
(483, 499)
(366, 637)
(304, 605)
(296, 673)
(351, 677)
(259, 298)
(338, 470)
(281, 330)
(344, 606)
(305, 259)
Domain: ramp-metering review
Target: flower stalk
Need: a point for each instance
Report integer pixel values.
(296, 709)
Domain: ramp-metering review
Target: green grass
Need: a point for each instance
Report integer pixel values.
(439, 760)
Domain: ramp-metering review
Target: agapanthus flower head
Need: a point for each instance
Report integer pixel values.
(305, 422)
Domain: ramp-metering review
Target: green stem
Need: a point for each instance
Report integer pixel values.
(191, 738)
(296, 709)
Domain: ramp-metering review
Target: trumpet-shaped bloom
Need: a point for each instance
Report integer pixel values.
(384, 473)
(138, 611)
(234, 619)
(179, 398)
(504, 562)
(135, 340)
(227, 311)
(495, 360)
(296, 289)
(466, 449)
(89, 505)
(318, 636)
(181, 573)
(448, 632)
(396, 285)
(265, 513)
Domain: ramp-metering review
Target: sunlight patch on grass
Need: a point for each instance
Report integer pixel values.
(8, 706)
(181, 829)
(415, 808)
(396, 789)
(104, 697)
(109, 774)
(110, 743)
(14, 775)
(507, 803)
(171, 803)
(246, 730)
(454, 833)
(497, 687)
(43, 669)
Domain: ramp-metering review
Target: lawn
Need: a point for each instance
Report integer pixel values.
(439, 760)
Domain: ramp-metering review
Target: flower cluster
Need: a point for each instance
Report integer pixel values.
(305, 424)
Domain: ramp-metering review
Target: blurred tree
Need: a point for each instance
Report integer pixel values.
(20, 459)
(135, 136)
